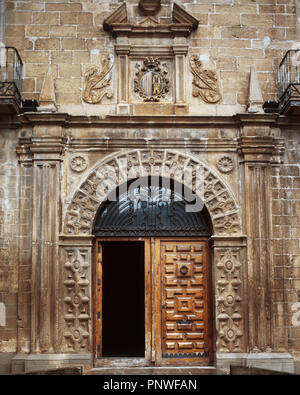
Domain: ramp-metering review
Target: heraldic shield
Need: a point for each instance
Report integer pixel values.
(151, 81)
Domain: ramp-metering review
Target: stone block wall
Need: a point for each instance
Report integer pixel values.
(232, 35)
(9, 239)
(286, 243)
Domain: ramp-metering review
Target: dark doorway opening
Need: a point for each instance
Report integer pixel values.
(123, 319)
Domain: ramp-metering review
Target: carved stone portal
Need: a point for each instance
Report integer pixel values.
(151, 81)
(96, 79)
(205, 82)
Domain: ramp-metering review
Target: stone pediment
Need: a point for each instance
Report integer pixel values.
(181, 22)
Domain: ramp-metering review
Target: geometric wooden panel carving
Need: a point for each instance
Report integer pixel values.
(184, 300)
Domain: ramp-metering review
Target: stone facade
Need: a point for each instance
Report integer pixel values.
(81, 64)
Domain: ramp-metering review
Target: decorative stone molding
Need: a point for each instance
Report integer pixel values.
(76, 299)
(98, 185)
(78, 163)
(205, 82)
(225, 164)
(167, 41)
(182, 24)
(96, 79)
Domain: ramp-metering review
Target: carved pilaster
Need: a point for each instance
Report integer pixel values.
(25, 244)
(45, 231)
(230, 281)
(180, 50)
(256, 155)
(122, 49)
(75, 310)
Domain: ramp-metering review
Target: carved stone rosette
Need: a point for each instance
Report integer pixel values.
(96, 79)
(225, 165)
(76, 300)
(78, 163)
(205, 82)
(229, 314)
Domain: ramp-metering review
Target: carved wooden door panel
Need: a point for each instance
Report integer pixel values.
(178, 326)
(185, 336)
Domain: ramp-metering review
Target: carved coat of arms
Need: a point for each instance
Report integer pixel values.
(151, 81)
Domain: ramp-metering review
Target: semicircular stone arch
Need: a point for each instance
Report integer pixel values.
(120, 167)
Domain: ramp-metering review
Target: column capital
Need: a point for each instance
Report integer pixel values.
(259, 149)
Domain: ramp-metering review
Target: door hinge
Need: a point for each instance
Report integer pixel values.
(99, 249)
(98, 348)
(99, 315)
(99, 282)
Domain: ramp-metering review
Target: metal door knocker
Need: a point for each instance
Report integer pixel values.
(184, 270)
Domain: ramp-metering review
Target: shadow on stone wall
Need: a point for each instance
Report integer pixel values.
(252, 371)
(56, 372)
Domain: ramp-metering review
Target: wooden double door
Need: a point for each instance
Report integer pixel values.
(152, 302)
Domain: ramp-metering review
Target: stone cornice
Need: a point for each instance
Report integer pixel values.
(171, 30)
(197, 145)
(66, 120)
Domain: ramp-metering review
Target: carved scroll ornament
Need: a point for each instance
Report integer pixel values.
(205, 82)
(96, 79)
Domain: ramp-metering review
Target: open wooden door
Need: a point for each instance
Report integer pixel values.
(123, 302)
(177, 301)
(98, 300)
(183, 330)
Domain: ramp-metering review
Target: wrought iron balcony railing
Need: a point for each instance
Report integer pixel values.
(11, 69)
(289, 80)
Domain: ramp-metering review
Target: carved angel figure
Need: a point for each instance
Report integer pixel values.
(205, 82)
(95, 82)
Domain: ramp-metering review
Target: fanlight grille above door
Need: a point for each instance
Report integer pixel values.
(150, 210)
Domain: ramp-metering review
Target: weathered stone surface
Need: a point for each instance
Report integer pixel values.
(51, 165)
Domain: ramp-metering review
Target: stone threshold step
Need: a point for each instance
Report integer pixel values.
(155, 371)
